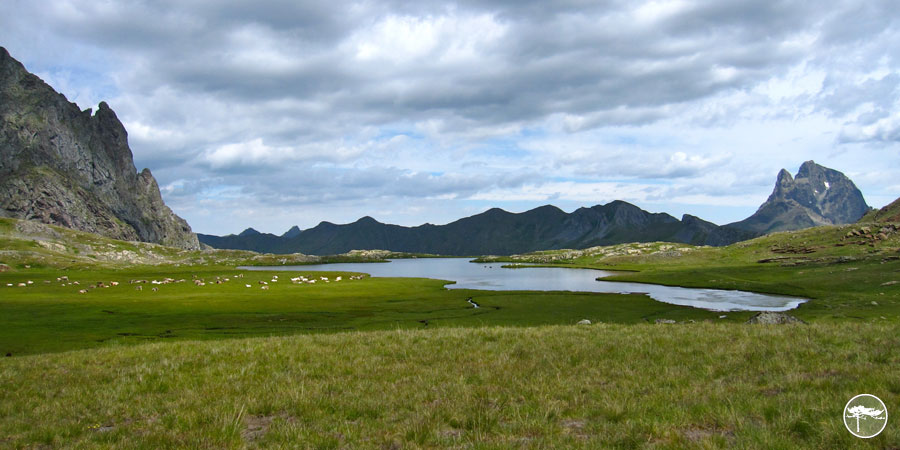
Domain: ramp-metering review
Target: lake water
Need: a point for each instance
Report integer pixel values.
(493, 277)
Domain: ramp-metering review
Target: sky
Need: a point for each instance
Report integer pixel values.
(269, 114)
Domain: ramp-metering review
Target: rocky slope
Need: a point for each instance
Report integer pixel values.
(889, 213)
(63, 166)
(816, 196)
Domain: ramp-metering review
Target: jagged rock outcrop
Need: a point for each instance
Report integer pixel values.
(816, 196)
(64, 166)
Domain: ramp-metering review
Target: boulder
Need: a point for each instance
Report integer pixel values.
(773, 318)
(584, 322)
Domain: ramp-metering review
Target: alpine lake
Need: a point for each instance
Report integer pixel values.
(460, 273)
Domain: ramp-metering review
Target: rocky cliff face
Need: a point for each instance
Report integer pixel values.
(63, 166)
(816, 196)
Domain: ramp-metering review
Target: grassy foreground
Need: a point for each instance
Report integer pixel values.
(599, 386)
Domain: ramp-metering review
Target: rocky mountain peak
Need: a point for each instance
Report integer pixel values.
(784, 179)
(64, 166)
(817, 195)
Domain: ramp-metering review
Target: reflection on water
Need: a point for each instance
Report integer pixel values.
(493, 277)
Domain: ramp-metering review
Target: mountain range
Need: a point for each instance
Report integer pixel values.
(816, 196)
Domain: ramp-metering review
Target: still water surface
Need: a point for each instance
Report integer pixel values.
(492, 277)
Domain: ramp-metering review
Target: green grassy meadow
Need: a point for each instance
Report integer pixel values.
(405, 363)
(698, 385)
(49, 317)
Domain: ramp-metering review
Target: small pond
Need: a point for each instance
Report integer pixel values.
(491, 276)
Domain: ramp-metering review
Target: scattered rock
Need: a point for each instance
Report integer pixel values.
(584, 322)
(4, 268)
(889, 283)
(664, 321)
(874, 303)
(773, 318)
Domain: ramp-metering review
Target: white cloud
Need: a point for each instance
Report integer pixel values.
(343, 109)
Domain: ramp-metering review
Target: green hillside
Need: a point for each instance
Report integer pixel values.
(848, 272)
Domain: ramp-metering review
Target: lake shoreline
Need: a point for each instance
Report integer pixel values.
(462, 273)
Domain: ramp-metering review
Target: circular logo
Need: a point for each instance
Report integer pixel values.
(865, 416)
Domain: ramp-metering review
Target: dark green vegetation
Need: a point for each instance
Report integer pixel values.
(600, 386)
(849, 273)
(46, 317)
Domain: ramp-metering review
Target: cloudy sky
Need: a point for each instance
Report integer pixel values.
(275, 113)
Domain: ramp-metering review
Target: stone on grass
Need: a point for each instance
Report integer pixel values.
(584, 322)
(773, 318)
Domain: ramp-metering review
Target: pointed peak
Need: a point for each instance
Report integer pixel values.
(6, 58)
(249, 232)
(293, 232)
(784, 177)
(808, 168)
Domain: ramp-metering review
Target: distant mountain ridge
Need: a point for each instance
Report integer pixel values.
(817, 196)
(494, 231)
(63, 166)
